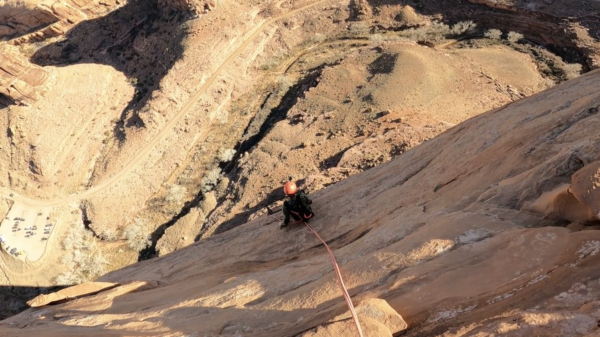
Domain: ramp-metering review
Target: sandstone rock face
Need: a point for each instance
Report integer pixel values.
(71, 293)
(17, 16)
(37, 20)
(579, 201)
(375, 316)
(586, 188)
(20, 81)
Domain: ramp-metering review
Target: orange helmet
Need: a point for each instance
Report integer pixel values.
(290, 188)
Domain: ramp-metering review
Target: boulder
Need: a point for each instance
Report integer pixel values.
(76, 291)
(376, 316)
(585, 186)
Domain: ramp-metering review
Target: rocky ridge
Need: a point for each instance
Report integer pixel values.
(20, 81)
(46, 18)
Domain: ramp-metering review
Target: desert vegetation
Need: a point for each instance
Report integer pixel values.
(137, 234)
(82, 258)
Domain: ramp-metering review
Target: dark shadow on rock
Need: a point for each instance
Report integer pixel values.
(14, 299)
(140, 39)
(150, 251)
(384, 64)
(242, 218)
(334, 160)
(5, 101)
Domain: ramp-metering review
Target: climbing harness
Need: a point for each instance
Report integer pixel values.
(340, 281)
(303, 216)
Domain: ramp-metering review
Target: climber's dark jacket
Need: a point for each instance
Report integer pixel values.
(298, 207)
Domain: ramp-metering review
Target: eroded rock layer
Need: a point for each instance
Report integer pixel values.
(41, 19)
(20, 81)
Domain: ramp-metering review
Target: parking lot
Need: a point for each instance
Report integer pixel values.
(25, 231)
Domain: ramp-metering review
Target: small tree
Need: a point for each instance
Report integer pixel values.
(493, 34)
(109, 234)
(176, 193)
(137, 235)
(463, 27)
(83, 259)
(226, 155)
(210, 180)
(572, 70)
(514, 37)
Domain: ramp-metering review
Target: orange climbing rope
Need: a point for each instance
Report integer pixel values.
(340, 281)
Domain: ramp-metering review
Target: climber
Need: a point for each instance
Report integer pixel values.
(296, 204)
